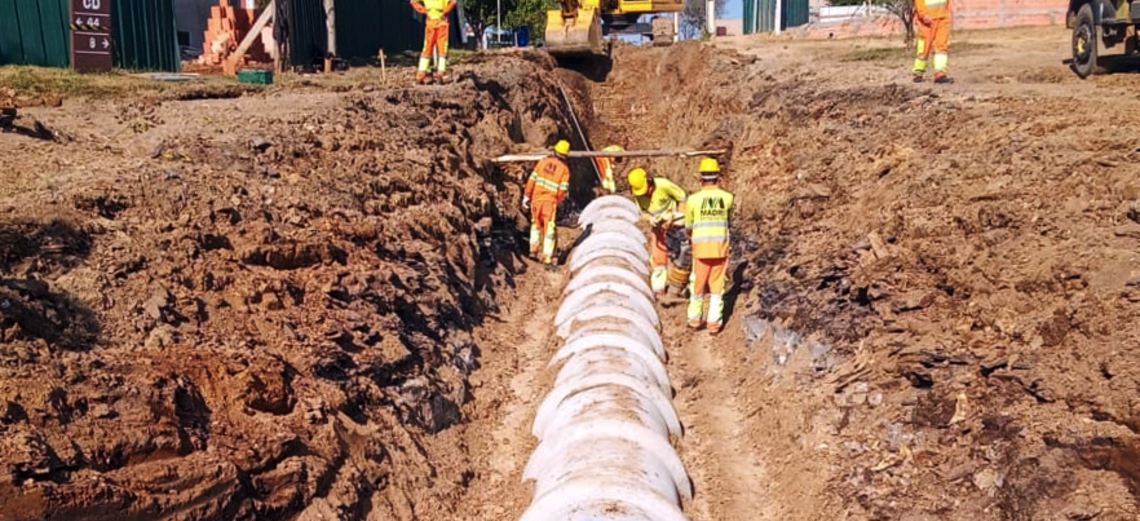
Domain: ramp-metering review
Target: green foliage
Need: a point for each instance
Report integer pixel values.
(530, 13)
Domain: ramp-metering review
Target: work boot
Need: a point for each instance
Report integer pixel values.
(943, 79)
(715, 327)
(696, 324)
(440, 79)
(421, 78)
(918, 78)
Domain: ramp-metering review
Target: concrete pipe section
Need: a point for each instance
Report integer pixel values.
(605, 429)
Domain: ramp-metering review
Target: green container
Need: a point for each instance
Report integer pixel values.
(255, 77)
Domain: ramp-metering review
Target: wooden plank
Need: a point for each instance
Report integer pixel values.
(536, 156)
(250, 37)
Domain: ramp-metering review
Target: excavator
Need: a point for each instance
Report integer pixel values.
(576, 28)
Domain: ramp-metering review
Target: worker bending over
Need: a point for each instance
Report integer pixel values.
(933, 17)
(435, 36)
(664, 201)
(606, 169)
(548, 185)
(708, 216)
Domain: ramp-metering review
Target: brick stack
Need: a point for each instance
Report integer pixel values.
(226, 28)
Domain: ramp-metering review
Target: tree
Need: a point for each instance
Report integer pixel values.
(532, 14)
(694, 20)
(903, 10)
(482, 14)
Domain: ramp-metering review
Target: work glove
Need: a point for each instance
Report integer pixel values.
(526, 203)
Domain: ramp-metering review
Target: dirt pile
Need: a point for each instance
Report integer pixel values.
(268, 321)
(952, 277)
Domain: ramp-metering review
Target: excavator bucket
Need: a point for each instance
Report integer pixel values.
(578, 35)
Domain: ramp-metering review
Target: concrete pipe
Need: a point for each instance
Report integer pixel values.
(606, 240)
(633, 261)
(614, 358)
(603, 500)
(584, 435)
(606, 293)
(607, 458)
(610, 401)
(605, 429)
(606, 208)
(641, 322)
(620, 226)
(550, 405)
(583, 333)
(602, 273)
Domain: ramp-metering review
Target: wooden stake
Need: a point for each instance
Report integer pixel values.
(537, 156)
(383, 66)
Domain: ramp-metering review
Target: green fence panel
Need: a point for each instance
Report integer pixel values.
(309, 36)
(796, 13)
(760, 15)
(31, 34)
(54, 22)
(11, 47)
(145, 36)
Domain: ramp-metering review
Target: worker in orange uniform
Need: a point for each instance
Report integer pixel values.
(933, 17)
(708, 216)
(606, 169)
(435, 36)
(664, 201)
(548, 185)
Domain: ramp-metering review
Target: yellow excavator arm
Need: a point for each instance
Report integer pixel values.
(576, 27)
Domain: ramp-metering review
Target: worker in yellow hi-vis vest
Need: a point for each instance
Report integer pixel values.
(708, 216)
(664, 202)
(436, 33)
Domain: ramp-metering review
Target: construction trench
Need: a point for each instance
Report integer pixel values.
(313, 303)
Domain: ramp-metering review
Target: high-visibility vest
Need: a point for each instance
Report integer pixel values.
(666, 204)
(550, 181)
(932, 8)
(435, 8)
(606, 170)
(708, 214)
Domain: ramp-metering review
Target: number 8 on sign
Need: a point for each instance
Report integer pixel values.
(91, 41)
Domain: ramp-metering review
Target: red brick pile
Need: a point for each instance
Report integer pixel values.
(226, 28)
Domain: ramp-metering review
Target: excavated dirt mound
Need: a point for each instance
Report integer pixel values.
(264, 317)
(951, 278)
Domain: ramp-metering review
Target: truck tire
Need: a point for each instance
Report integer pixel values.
(1085, 41)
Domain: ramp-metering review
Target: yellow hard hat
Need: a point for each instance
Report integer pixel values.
(562, 148)
(639, 181)
(710, 166)
(613, 148)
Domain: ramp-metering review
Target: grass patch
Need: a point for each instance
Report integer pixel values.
(34, 82)
(877, 54)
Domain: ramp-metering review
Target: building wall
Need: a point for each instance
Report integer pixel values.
(191, 16)
(733, 26)
(967, 14)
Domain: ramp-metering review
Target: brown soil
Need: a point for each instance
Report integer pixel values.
(306, 304)
(262, 308)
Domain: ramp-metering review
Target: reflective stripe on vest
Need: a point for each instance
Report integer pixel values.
(709, 211)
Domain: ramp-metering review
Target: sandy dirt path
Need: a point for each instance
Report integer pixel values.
(729, 474)
(514, 384)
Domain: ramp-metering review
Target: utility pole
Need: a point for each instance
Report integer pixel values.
(779, 17)
(498, 19)
(710, 17)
